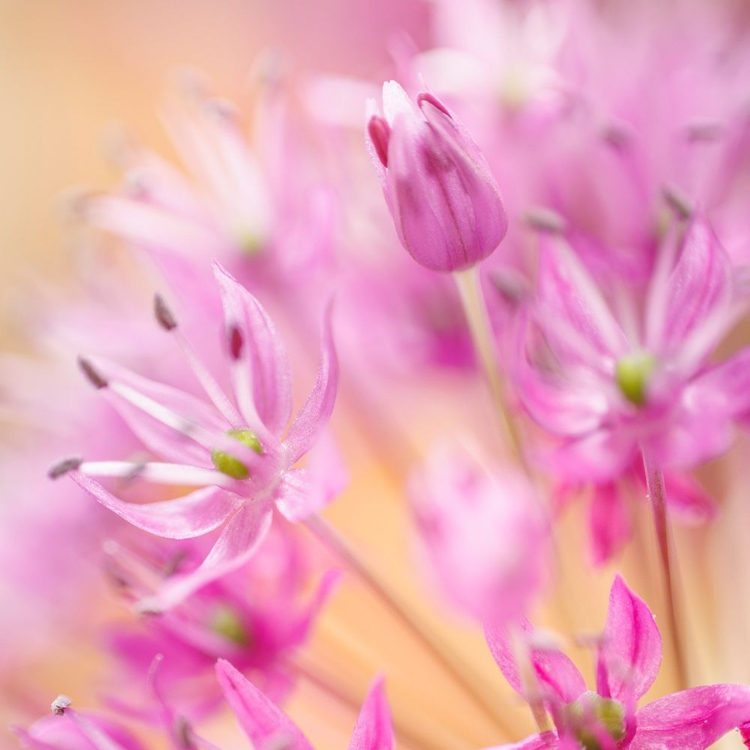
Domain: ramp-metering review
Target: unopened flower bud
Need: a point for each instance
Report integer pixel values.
(445, 204)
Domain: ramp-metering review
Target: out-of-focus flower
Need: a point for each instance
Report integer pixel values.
(628, 662)
(482, 531)
(257, 616)
(235, 450)
(445, 204)
(612, 388)
(265, 724)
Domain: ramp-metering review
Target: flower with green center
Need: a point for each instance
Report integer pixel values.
(240, 450)
(629, 657)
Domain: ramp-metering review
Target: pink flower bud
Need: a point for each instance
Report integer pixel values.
(445, 204)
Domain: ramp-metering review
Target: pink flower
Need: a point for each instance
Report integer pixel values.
(628, 661)
(482, 532)
(611, 387)
(443, 199)
(257, 616)
(265, 724)
(236, 450)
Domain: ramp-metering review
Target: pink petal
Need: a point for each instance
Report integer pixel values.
(692, 719)
(630, 652)
(185, 517)
(545, 741)
(303, 492)
(374, 728)
(610, 522)
(725, 388)
(553, 669)
(261, 359)
(699, 284)
(568, 295)
(264, 722)
(237, 542)
(600, 456)
(687, 499)
(317, 410)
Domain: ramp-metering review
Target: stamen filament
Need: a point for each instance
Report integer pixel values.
(450, 661)
(475, 309)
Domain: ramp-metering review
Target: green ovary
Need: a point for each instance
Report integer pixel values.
(632, 373)
(228, 464)
(592, 716)
(227, 624)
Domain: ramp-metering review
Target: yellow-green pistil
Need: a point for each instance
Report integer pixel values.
(591, 716)
(632, 373)
(228, 464)
(226, 623)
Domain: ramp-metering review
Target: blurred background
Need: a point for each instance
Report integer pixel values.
(71, 70)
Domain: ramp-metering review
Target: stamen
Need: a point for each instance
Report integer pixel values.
(236, 342)
(93, 376)
(63, 467)
(545, 220)
(163, 314)
(60, 704)
(678, 201)
(157, 472)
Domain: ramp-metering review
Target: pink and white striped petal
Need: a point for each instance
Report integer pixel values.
(183, 518)
(316, 412)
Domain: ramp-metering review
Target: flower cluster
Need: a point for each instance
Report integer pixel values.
(544, 304)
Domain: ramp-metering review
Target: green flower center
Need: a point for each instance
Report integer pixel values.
(632, 373)
(591, 717)
(226, 623)
(227, 463)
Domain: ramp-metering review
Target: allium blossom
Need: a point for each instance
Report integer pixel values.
(267, 726)
(237, 450)
(445, 204)
(629, 656)
(613, 387)
(482, 532)
(257, 616)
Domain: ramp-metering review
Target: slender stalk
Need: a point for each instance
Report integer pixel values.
(658, 497)
(477, 316)
(441, 652)
(529, 681)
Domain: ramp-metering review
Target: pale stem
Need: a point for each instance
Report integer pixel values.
(440, 651)
(477, 316)
(529, 681)
(658, 498)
